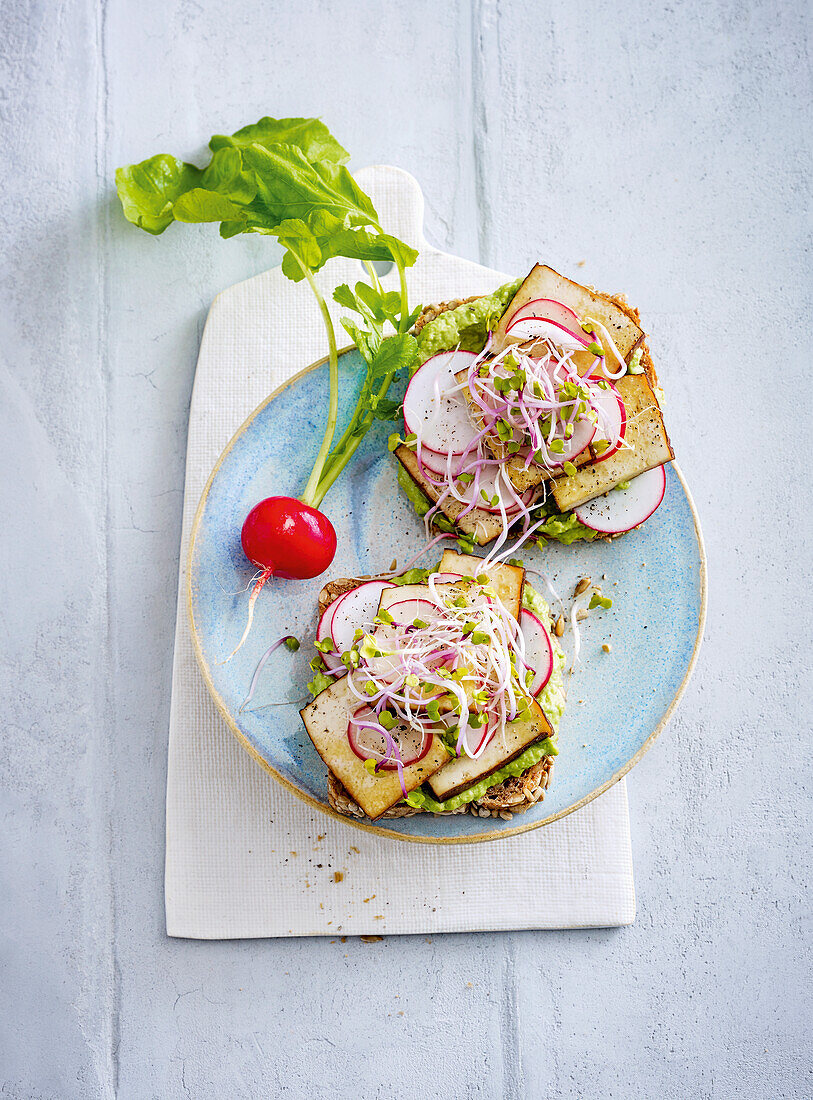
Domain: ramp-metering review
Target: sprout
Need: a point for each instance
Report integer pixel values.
(453, 674)
(290, 642)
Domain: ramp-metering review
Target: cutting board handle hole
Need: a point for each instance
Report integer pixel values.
(381, 267)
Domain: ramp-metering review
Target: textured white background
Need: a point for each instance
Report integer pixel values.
(668, 146)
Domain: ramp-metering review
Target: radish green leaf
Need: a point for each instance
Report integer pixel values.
(286, 178)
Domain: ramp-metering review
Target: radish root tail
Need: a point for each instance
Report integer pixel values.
(266, 573)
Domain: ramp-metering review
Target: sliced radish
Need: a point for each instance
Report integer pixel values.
(612, 406)
(540, 328)
(325, 619)
(389, 667)
(488, 484)
(512, 509)
(538, 650)
(405, 611)
(370, 744)
(437, 416)
(622, 509)
(547, 309)
(547, 319)
(353, 610)
(323, 632)
(584, 431)
(487, 735)
(479, 737)
(436, 462)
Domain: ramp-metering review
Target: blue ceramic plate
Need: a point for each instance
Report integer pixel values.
(618, 702)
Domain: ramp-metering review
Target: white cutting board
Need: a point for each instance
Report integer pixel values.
(244, 857)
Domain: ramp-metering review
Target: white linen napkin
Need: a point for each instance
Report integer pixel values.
(244, 857)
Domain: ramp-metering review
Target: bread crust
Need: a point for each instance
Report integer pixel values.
(430, 313)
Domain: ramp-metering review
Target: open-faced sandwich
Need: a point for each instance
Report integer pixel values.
(440, 692)
(536, 408)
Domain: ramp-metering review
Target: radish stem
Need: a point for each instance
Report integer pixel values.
(309, 496)
(373, 275)
(331, 467)
(404, 298)
(348, 444)
(402, 286)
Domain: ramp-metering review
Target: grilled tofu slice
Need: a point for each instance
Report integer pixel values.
(544, 282)
(462, 772)
(508, 580)
(646, 436)
(326, 720)
(480, 526)
(533, 476)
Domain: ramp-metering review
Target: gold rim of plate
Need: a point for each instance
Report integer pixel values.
(325, 808)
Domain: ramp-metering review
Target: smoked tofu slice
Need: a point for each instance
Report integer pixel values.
(326, 720)
(524, 478)
(508, 580)
(544, 282)
(462, 772)
(481, 527)
(649, 446)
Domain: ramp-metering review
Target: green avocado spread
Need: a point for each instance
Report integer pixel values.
(565, 527)
(421, 800)
(419, 502)
(467, 327)
(635, 365)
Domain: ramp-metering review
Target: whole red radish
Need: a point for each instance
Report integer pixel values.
(285, 538)
(288, 538)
